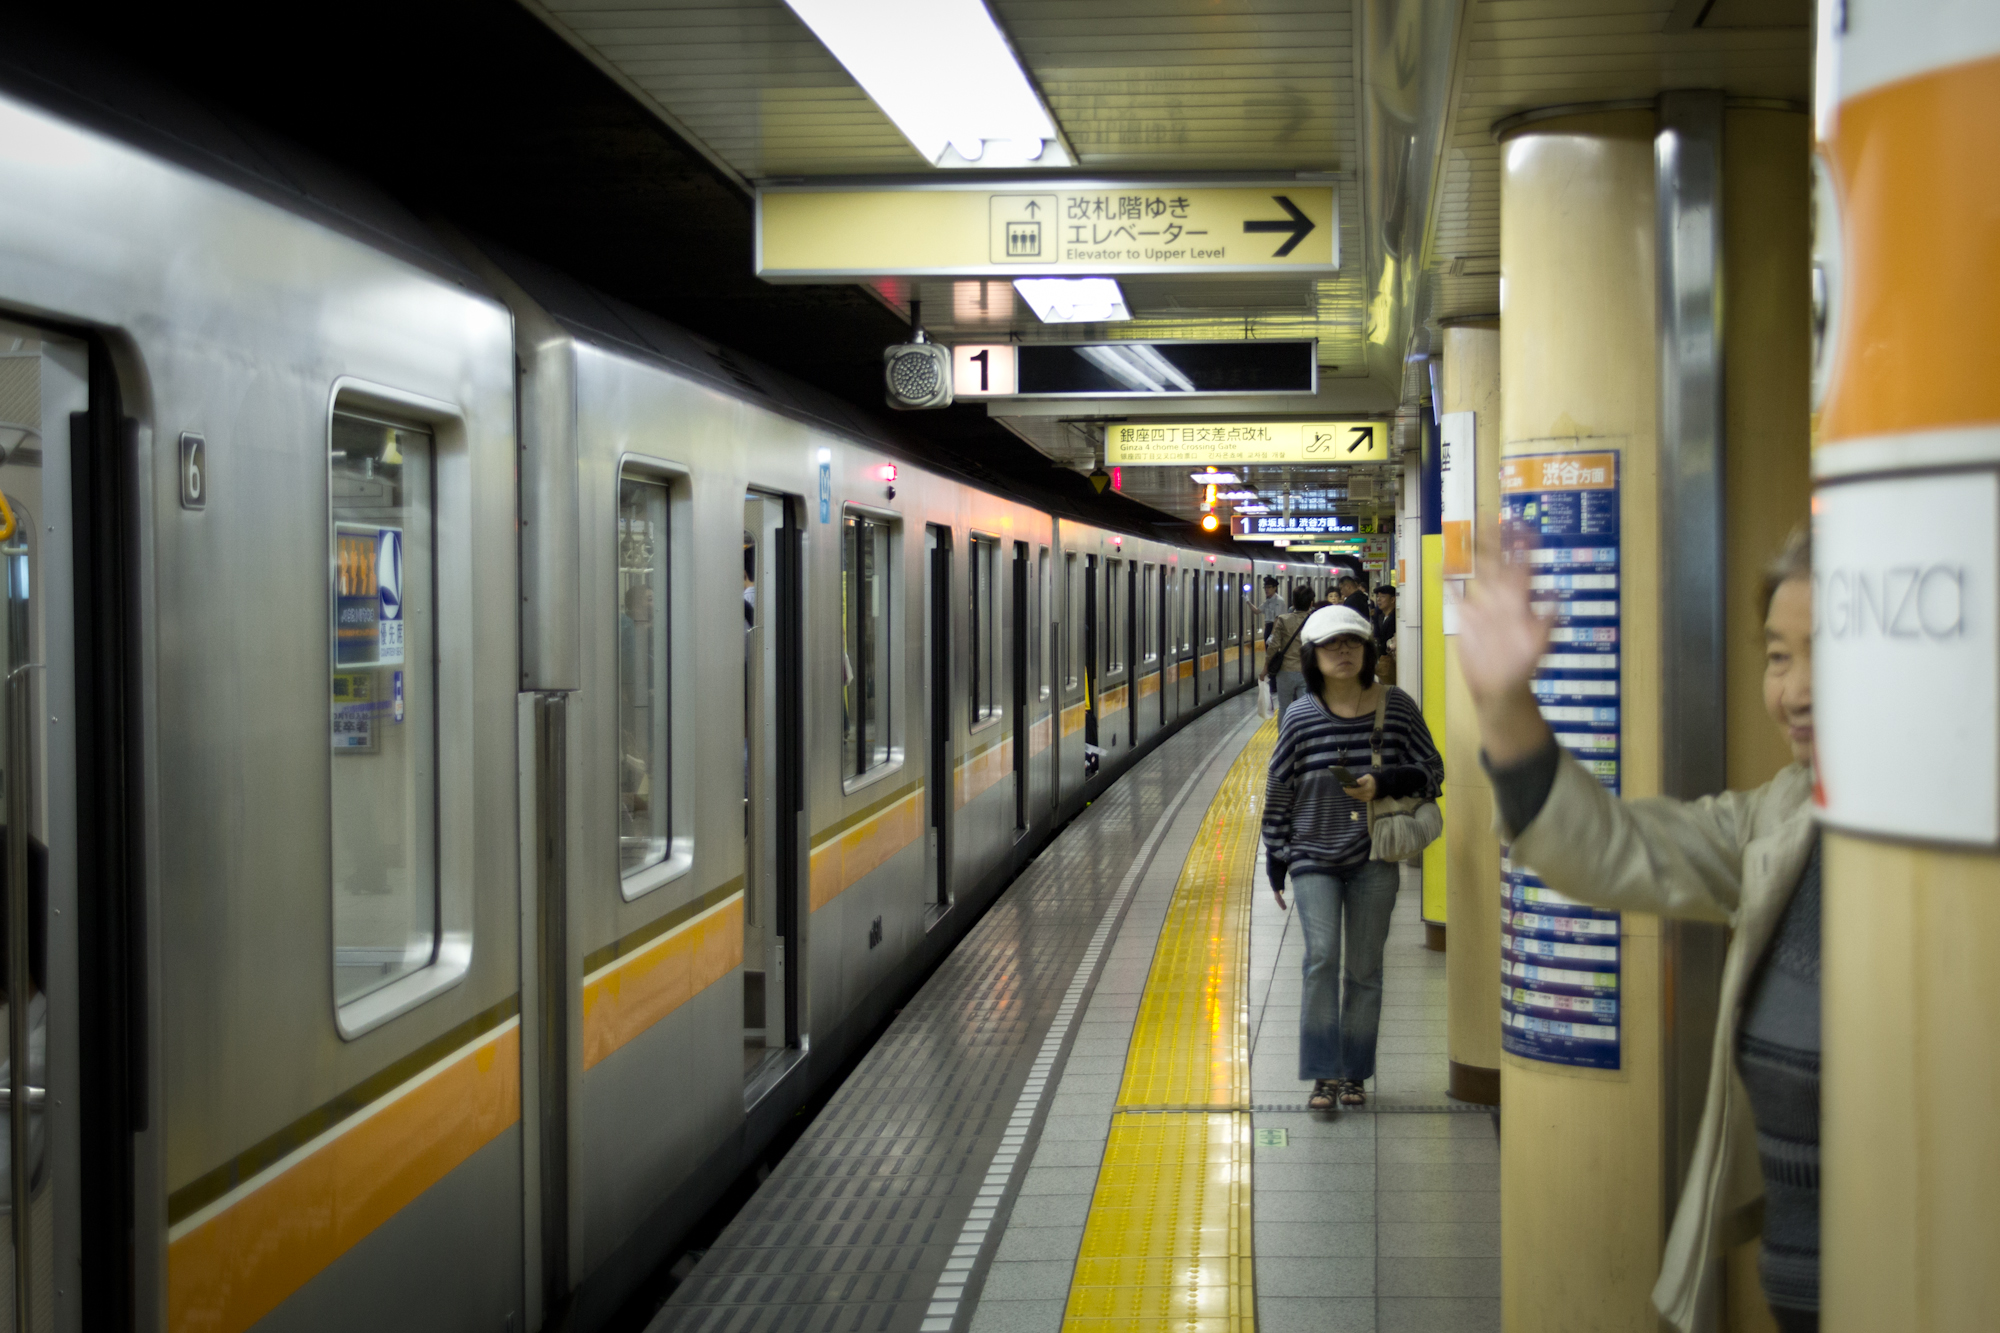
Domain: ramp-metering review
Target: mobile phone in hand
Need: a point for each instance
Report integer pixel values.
(1345, 778)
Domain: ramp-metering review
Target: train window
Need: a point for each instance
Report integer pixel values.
(1187, 611)
(983, 631)
(866, 612)
(645, 798)
(382, 673)
(1072, 614)
(1114, 613)
(1149, 617)
(1042, 586)
(1211, 594)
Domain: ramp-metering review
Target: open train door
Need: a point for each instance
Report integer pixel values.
(772, 789)
(72, 983)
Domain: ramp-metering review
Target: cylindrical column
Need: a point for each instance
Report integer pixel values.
(1592, 1158)
(1471, 385)
(1907, 476)
(1581, 1188)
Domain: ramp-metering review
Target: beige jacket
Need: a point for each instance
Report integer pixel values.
(1734, 859)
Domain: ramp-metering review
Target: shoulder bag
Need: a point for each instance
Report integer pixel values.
(1399, 827)
(1271, 660)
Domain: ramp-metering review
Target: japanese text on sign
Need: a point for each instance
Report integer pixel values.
(1169, 443)
(1560, 959)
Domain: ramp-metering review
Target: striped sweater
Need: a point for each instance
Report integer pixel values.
(1310, 823)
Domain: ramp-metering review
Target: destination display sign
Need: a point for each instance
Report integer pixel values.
(1292, 525)
(1171, 443)
(809, 233)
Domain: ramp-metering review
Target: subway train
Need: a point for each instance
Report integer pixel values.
(489, 754)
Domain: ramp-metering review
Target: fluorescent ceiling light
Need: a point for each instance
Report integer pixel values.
(1235, 495)
(944, 73)
(1214, 478)
(1075, 301)
(1251, 509)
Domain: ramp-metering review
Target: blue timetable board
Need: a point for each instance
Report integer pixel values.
(1559, 959)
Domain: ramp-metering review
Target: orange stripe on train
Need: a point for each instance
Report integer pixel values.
(240, 1262)
(624, 998)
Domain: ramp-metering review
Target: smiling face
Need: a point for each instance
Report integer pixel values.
(1340, 658)
(1788, 665)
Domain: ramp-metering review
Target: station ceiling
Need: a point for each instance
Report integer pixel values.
(1391, 101)
(619, 140)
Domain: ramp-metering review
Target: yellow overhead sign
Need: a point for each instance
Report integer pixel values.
(817, 232)
(1139, 444)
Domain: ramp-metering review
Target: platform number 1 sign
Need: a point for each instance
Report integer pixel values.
(983, 370)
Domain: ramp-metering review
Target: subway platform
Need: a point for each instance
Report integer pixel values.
(1088, 1119)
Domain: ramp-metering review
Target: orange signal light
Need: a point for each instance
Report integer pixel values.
(1209, 523)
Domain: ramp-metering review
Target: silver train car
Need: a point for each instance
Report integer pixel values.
(487, 755)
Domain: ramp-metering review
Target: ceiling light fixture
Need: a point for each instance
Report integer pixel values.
(945, 74)
(1216, 477)
(1079, 301)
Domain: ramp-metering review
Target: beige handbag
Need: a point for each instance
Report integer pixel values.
(1399, 827)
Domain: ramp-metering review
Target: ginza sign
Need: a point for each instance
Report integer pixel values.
(1906, 600)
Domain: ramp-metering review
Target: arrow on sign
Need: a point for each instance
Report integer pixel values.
(1033, 208)
(1300, 226)
(1363, 437)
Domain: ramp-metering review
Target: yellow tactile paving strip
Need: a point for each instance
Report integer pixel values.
(1166, 1245)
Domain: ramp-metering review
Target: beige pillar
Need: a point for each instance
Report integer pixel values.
(1472, 852)
(1587, 1180)
(1910, 1099)
(1582, 1210)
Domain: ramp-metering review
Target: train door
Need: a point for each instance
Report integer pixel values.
(772, 786)
(1042, 739)
(66, 1006)
(1093, 669)
(1018, 657)
(938, 783)
(1163, 639)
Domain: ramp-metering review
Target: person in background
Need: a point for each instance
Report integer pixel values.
(1316, 829)
(1272, 607)
(1355, 599)
(1284, 663)
(1384, 616)
(1748, 860)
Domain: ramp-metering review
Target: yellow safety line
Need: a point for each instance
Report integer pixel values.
(1166, 1244)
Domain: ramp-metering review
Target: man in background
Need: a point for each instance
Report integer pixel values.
(1272, 606)
(1385, 632)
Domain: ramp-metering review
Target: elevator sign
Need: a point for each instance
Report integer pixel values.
(1560, 964)
(815, 232)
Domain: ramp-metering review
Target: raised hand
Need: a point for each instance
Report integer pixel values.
(1500, 644)
(1500, 638)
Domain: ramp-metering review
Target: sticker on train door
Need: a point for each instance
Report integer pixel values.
(389, 593)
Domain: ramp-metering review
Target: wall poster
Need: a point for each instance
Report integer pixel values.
(1559, 960)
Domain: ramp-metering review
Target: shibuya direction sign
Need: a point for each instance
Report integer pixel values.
(808, 233)
(1171, 443)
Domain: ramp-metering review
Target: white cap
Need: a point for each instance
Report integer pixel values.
(1330, 622)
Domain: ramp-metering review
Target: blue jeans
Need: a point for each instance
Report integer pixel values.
(1288, 686)
(1342, 1007)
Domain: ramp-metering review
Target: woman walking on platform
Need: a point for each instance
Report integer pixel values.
(1323, 775)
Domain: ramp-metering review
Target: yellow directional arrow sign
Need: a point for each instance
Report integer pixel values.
(811, 233)
(1172, 443)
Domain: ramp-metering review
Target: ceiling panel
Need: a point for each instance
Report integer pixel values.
(1523, 54)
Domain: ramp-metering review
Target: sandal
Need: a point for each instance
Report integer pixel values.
(1323, 1093)
(1351, 1092)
